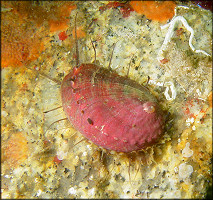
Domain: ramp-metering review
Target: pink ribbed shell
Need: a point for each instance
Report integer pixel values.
(112, 111)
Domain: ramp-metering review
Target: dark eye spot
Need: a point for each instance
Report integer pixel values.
(71, 79)
(90, 121)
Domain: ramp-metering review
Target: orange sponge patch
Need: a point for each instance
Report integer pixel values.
(80, 32)
(19, 42)
(61, 21)
(160, 11)
(25, 27)
(16, 151)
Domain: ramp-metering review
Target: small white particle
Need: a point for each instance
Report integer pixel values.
(4, 113)
(156, 83)
(105, 134)
(84, 153)
(188, 120)
(193, 128)
(61, 155)
(38, 193)
(159, 83)
(185, 7)
(187, 152)
(188, 124)
(185, 170)
(170, 85)
(7, 176)
(192, 119)
(102, 127)
(176, 170)
(92, 192)
(198, 92)
(88, 147)
(72, 190)
(31, 110)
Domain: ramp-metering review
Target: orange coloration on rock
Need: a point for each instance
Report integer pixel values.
(194, 107)
(164, 61)
(20, 41)
(160, 11)
(210, 99)
(62, 36)
(16, 150)
(17, 46)
(25, 29)
(66, 9)
(125, 8)
(24, 87)
(79, 31)
(57, 25)
(56, 160)
(56, 14)
(61, 23)
(179, 31)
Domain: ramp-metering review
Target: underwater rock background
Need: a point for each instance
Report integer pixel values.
(43, 160)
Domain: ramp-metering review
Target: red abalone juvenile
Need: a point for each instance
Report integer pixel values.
(112, 111)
